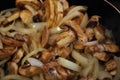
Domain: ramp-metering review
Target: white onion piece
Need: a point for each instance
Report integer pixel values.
(2, 19)
(32, 10)
(2, 73)
(41, 76)
(69, 64)
(36, 77)
(96, 69)
(1, 44)
(31, 54)
(91, 43)
(81, 59)
(4, 30)
(15, 77)
(117, 76)
(39, 25)
(84, 22)
(4, 61)
(41, 1)
(69, 17)
(55, 30)
(25, 30)
(77, 8)
(88, 69)
(35, 62)
(25, 47)
(7, 10)
(103, 74)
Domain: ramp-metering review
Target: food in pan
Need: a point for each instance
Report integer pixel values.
(51, 40)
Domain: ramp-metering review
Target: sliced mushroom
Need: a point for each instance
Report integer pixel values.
(12, 68)
(34, 3)
(65, 4)
(6, 52)
(45, 37)
(95, 18)
(101, 56)
(111, 47)
(11, 42)
(94, 48)
(26, 16)
(53, 70)
(49, 12)
(111, 65)
(29, 71)
(78, 44)
(11, 18)
(76, 28)
(90, 33)
(65, 38)
(18, 55)
(58, 13)
(22, 37)
(46, 56)
(63, 52)
(79, 19)
(99, 33)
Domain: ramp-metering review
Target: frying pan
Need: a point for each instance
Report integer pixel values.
(110, 17)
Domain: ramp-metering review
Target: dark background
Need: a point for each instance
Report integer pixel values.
(110, 17)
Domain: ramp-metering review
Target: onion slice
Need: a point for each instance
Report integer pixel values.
(15, 77)
(39, 25)
(35, 62)
(55, 30)
(81, 59)
(103, 74)
(77, 8)
(31, 54)
(84, 22)
(69, 64)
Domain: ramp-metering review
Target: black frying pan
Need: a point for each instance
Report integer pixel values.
(110, 17)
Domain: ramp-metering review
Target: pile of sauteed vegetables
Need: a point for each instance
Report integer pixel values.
(51, 40)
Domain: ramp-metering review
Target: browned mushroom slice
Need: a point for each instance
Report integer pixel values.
(111, 65)
(65, 4)
(46, 56)
(45, 36)
(12, 68)
(49, 12)
(18, 55)
(26, 16)
(64, 51)
(52, 39)
(53, 71)
(58, 13)
(29, 71)
(34, 3)
(95, 18)
(99, 33)
(90, 33)
(76, 28)
(79, 19)
(65, 38)
(11, 42)
(111, 47)
(49, 70)
(11, 18)
(101, 56)
(7, 51)
(93, 48)
(78, 44)
(23, 37)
